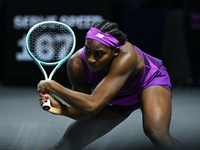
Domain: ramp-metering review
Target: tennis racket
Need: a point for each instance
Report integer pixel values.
(50, 43)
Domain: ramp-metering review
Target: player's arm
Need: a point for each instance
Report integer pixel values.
(58, 108)
(77, 79)
(76, 76)
(121, 68)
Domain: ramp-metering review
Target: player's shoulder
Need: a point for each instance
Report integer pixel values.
(75, 68)
(76, 58)
(130, 52)
(128, 48)
(128, 60)
(127, 54)
(75, 65)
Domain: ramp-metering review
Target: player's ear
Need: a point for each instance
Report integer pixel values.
(116, 51)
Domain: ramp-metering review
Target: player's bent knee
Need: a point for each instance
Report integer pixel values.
(153, 133)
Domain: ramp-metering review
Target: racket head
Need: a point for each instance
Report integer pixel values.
(50, 43)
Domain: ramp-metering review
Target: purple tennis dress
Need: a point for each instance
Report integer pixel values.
(153, 73)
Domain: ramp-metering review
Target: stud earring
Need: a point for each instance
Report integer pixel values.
(115, 54)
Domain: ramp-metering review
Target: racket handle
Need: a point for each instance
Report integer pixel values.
(46, 106)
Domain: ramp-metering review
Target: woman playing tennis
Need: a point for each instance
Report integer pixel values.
(111, 78)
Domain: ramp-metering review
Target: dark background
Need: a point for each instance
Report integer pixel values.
(167, 29)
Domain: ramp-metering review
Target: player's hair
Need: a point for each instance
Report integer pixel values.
(112, 29)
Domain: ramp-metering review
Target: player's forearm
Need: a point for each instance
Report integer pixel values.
(74, 114)
(78, 100)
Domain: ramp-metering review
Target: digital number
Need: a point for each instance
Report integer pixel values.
(44, 47)
(47, 47)
(23, 55)
(65, 47)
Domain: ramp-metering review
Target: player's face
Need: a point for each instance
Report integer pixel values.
(98, 56)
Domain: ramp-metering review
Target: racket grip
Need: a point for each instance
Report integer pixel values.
(46, 106)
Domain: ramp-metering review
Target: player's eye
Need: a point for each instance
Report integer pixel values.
(101, 53)
(87, 50)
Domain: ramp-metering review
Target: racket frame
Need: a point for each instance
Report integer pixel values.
(58, 63)
(47, 106)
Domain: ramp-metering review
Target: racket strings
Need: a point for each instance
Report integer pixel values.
(50, 42)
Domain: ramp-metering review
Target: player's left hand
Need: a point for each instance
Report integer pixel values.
(57, 107)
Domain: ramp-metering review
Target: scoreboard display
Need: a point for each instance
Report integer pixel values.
(20, 16)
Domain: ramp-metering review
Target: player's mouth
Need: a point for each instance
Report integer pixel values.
(93, 69)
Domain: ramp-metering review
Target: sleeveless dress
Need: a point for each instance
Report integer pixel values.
(153, 73)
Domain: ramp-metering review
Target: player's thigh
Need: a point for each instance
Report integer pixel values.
(94, 127)
(83, 132)
(155, 103)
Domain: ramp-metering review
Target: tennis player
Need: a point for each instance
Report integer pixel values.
(111, 78)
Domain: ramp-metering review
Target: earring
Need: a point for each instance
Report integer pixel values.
(115, 54)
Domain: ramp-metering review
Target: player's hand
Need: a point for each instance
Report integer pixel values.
(56, 106)
(43, 86)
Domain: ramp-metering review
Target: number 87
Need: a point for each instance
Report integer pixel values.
(46, 43)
